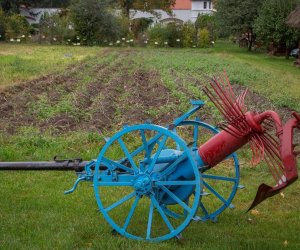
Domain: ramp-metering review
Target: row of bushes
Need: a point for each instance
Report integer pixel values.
(174, 35)
(63, 28)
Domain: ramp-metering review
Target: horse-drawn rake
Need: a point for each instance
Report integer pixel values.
(150, 181)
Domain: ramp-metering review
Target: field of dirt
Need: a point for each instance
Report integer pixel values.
(117, 92)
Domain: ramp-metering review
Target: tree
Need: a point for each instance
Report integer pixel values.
(271, 26)
(145, 5)
(237, 17)
(94, 20)
(12, 6)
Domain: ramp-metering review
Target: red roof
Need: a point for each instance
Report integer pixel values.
(183, 5)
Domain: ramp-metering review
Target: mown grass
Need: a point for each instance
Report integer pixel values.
(34, 213)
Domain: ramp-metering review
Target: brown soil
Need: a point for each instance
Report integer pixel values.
(118, 93)
(112, 98)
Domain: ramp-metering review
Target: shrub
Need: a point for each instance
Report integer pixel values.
(188, 35)
(140, 25)
(166, 35)
(2, 25)
(57, 28)
(16, 26)
(203, 38)
(95, 21)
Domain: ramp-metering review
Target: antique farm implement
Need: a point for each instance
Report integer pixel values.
(150, 181)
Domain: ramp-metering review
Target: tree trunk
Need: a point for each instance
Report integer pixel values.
(250, 40)
(287, 53)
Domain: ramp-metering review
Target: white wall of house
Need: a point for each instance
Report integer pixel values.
(182, 15)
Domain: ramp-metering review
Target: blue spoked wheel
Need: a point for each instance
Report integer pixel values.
(219, 183)
(136, 194)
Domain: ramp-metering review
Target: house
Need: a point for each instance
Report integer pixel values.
(182, 11)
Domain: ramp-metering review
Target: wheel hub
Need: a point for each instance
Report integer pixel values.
(143, 184)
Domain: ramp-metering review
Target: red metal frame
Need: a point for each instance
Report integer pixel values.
(251, 127)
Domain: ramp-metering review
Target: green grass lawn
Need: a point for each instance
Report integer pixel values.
(70, 113)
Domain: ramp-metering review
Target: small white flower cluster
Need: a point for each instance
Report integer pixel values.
(18, 39)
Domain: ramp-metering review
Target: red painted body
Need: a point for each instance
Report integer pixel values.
(219, 147)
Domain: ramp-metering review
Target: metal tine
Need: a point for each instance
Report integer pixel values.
(255, 151)
(228, 83)
(229, 115)
(216, 103)
(230, 129)
(242, 101)
(226, 101)
(272, 158)
(272, 169)
(267, 126)
(230, 94)
(271, 164)
(259, 146)
(272, 138)
(275, 151)
(272, 144)
(219, 91)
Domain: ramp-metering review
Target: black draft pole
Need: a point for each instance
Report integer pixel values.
(44, 165)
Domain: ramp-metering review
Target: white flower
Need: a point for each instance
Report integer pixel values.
(166, 43)
(23, 36)
(0, 36)
(145, 42)
(78, 44)
(18, 40)
(128, 41)
(54, 39)
(156, 43)
(118, 41)
(69, 40)
(29, 36)
(123, 39)
(177, 40)
(43, 37)
(110, 44)
(131, 40)
(78, 38)
(12, 40)
(194, 46)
